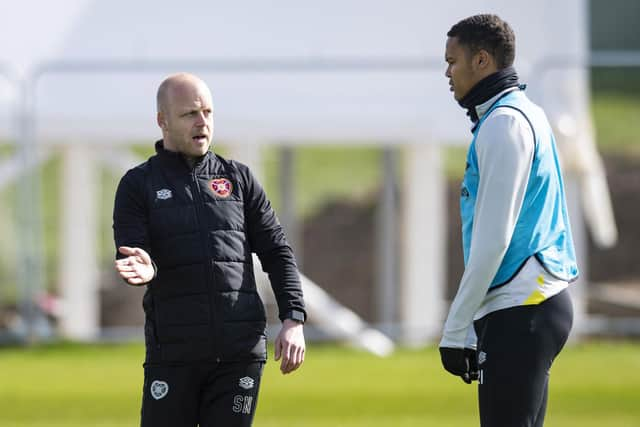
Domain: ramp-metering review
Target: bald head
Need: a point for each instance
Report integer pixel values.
(178, 81)
(185, 114)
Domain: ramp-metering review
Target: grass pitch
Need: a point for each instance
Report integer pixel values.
(593, 384)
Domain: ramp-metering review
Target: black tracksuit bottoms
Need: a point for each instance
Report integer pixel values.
(516, 348)
(201, 394)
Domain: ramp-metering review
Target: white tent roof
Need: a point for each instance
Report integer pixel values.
(407, 101)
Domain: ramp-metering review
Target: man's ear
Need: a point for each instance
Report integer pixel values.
(482, 59)
(161, 119)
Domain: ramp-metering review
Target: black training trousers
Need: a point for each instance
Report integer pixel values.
(516, 348)
(201, 394)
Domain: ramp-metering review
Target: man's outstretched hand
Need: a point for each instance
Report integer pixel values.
(137, 268)
(290, 346)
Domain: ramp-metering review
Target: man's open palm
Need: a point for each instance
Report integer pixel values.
(137, 268)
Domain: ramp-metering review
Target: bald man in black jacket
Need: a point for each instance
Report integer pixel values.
(186, 223)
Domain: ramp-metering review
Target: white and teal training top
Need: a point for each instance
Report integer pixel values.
(517, 242)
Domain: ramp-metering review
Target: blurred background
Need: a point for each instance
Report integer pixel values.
(343, 112)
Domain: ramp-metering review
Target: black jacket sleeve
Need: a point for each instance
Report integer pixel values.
(268, 241)
(130, 220)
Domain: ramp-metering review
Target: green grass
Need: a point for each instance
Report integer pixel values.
(324, 173)
(593, 384)
(617, 122)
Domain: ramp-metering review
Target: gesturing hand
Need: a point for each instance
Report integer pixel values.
(137, 269)
(290, 346)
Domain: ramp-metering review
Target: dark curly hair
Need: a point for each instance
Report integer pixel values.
(487, 32)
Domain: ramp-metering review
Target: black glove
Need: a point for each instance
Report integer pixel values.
(474, 371)
(461, 362)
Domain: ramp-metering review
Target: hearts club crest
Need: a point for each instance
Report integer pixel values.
(221, 187)
(159, 389)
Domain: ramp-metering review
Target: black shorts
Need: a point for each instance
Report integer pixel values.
(516, 348)
(201, 394)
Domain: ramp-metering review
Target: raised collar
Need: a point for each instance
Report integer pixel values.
(177, 162)
(482, 109)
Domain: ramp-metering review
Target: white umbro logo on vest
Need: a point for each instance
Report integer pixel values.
(164, 194)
